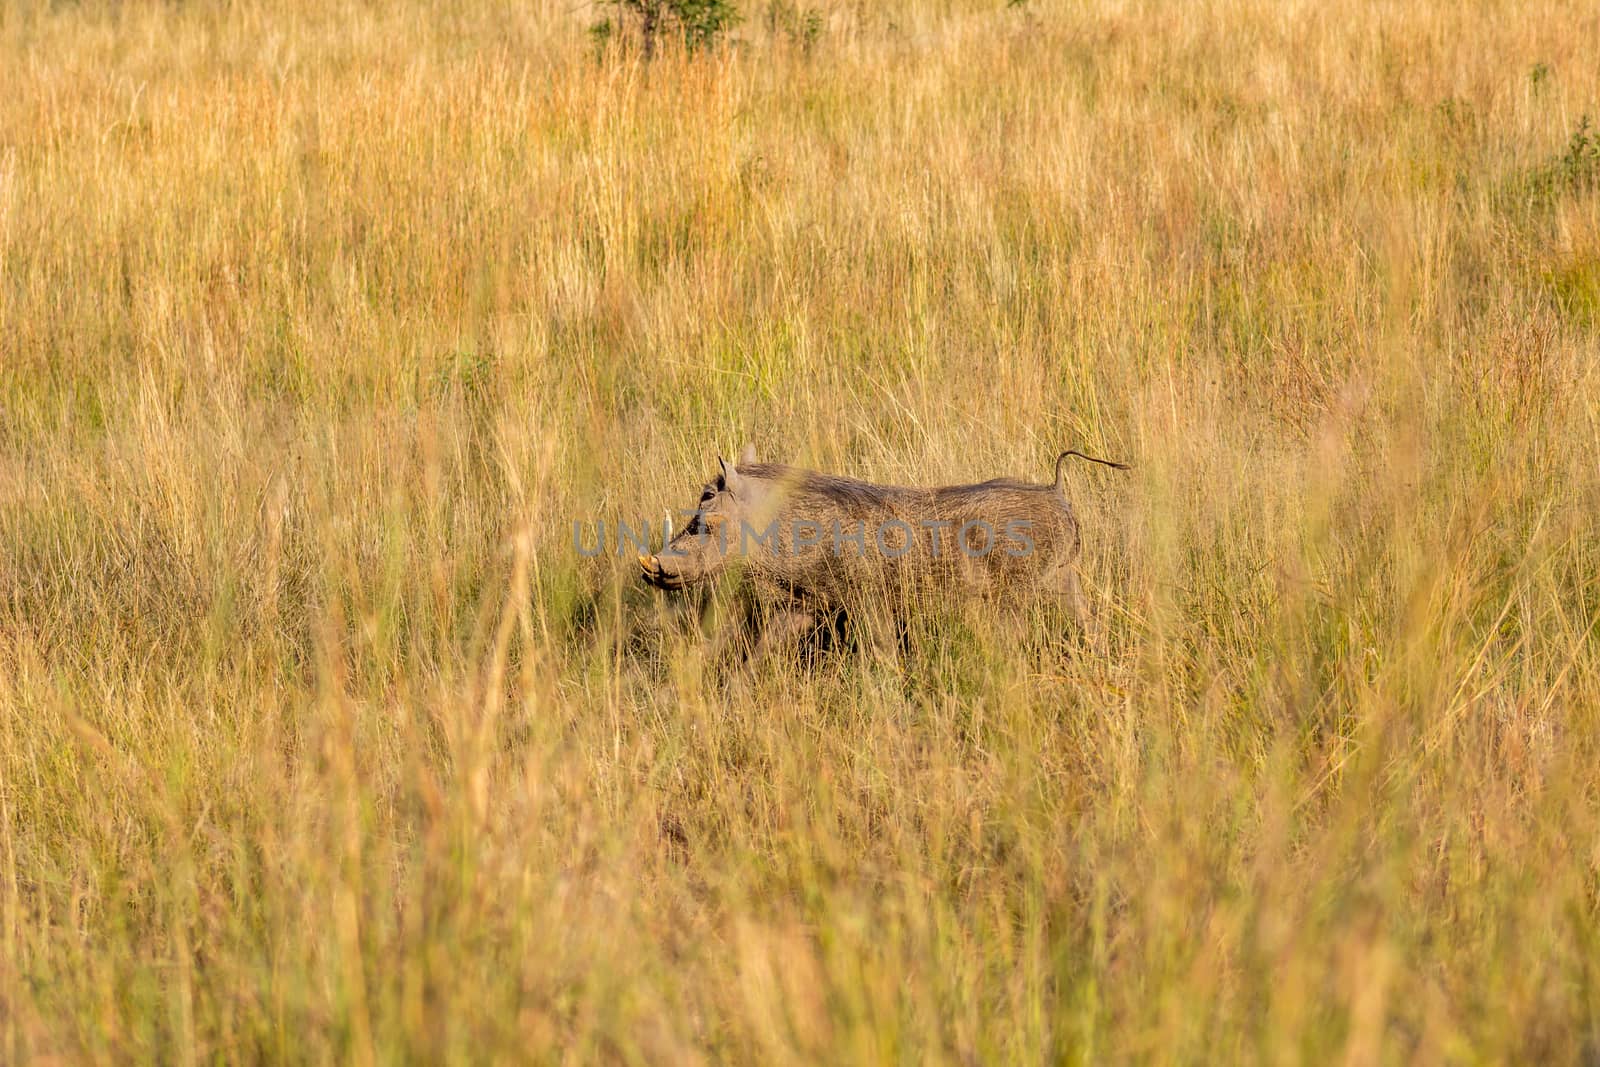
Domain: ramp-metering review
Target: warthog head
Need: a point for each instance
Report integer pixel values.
(715, 531)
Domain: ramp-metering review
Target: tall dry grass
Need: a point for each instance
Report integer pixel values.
(321, 323)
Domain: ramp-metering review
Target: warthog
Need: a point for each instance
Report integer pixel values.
(817, 547)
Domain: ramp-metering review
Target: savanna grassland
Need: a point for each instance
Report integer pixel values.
(321, 323)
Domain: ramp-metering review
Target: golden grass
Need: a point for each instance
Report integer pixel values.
(321, 323)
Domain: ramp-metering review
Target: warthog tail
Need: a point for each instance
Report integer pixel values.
(1061, 470)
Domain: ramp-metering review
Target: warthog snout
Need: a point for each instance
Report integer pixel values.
(655, 573)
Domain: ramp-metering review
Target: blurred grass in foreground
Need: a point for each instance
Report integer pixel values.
(320, 325)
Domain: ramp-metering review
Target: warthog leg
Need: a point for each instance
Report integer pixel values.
(782, 633)
(1083, 611)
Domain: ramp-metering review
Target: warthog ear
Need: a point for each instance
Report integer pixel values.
(730, 475)
(747, 455)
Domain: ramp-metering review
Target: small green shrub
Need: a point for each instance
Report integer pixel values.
(1574, 172)
(698, 23)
